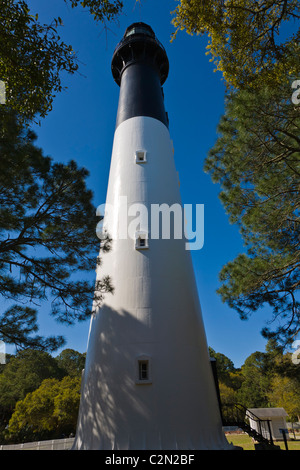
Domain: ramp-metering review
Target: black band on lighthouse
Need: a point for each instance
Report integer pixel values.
(140, 66)
(141, 94)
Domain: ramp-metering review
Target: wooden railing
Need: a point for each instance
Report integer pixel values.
(236, 414)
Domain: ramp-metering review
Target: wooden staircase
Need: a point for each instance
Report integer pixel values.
(236, 414)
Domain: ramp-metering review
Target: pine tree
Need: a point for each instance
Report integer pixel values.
(48, 241)
(257, 161)
(256, 157)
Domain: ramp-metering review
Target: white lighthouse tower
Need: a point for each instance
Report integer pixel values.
(148, 382)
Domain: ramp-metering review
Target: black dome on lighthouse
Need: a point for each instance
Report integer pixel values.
(139, 28)
(139, 44)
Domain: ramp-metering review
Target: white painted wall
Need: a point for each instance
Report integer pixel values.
(276, 423)
(154, 312)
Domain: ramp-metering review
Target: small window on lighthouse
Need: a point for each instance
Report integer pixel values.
(140, 156)
(143, 370)
(141, 241)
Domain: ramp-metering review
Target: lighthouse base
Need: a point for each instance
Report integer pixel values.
(177, 409)
(148, 442)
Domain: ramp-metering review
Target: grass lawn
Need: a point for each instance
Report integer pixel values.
(246, 442)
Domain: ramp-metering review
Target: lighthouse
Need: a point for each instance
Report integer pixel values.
(148, 381)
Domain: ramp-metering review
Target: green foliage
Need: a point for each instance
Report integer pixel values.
(256, 160)
(72, 362)
(49, 411)
(45, 242)
(256, 383)
(244, 38)
(256, 156)
(228, 395)
(101, 9)
(225, 367)
(21, 375)
(24, 374)
(266, 379)
(285, 392)
(33, 56)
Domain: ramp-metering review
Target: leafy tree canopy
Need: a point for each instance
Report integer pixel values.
(33, 55)
(245, 40)
(224, 366)
(49, 411)
(24, 373)
(72, 362)
(256, 157)
(285, 393)
(261, 380)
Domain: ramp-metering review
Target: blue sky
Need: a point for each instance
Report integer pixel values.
(81, 127)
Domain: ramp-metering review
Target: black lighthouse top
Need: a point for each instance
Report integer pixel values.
(139, 43)
(140, 66)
